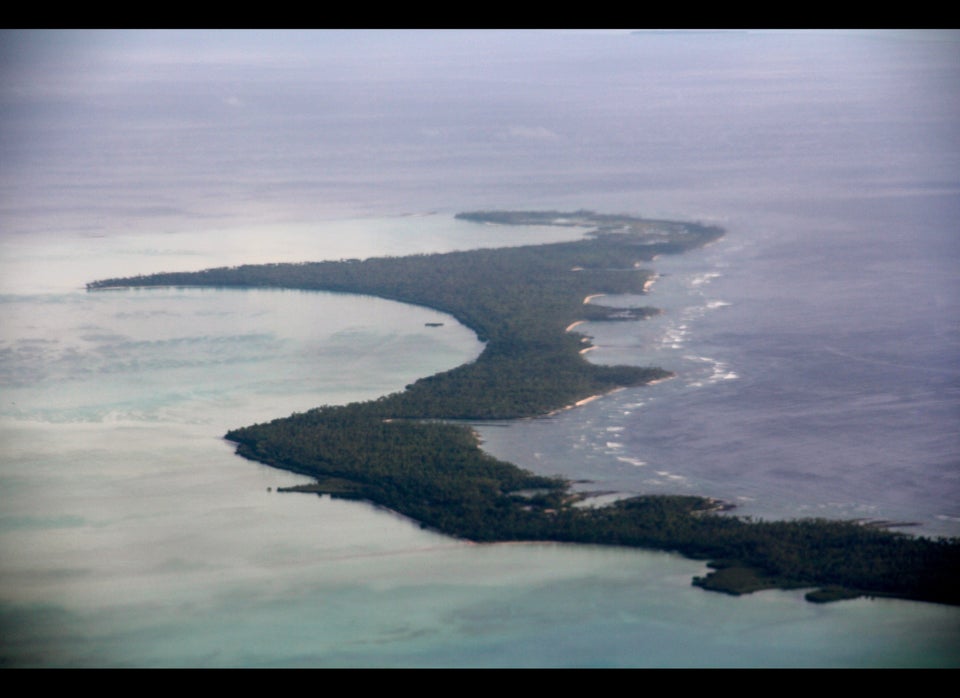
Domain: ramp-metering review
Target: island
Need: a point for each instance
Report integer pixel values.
(415, 451)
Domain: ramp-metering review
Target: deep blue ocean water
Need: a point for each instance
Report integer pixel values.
(816, 346)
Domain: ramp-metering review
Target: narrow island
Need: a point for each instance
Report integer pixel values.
(411, 452)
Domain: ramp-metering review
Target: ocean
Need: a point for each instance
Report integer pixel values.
(816, 346)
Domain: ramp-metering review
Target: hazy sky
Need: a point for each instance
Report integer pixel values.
(138, 128)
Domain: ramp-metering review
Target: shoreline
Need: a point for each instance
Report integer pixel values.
(591, 398)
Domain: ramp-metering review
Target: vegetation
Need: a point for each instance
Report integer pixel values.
(402, 451)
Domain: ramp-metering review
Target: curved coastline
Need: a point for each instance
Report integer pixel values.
(402, 452)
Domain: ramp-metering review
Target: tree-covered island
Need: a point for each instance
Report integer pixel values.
(407, 452)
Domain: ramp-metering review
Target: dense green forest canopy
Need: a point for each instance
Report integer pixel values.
(403, 452)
